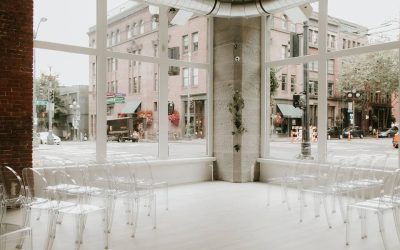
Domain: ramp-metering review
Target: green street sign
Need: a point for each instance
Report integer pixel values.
(41, 102)
(117, 99)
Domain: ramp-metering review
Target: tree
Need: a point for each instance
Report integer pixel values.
(43, 85)
(370, 73)
(274, 83)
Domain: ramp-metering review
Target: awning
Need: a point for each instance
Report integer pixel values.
(289, 111)
(130, 107)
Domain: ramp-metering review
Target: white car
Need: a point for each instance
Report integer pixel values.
(43, 138)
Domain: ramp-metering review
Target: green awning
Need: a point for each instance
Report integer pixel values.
(289, 111)
(131, 107)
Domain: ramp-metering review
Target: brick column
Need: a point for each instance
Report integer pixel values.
(241, 38)
(16, 44)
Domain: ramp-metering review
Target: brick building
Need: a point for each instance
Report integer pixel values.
(132, 87)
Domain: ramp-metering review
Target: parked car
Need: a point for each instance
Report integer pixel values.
(334, 132)
(388, 133)
(355, 131)
(43, 138)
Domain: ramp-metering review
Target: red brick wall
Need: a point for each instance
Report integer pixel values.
(16, 43)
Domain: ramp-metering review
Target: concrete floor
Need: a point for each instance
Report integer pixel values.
(221, 215)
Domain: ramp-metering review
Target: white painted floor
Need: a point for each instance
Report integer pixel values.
(222, 215)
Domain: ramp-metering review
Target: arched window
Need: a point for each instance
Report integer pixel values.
(128, 31)
(141, 26)
(134, 28)
(284, 22)
(117, 37)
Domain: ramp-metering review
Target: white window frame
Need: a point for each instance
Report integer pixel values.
(322, 57)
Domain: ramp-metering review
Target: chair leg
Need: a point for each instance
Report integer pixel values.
(364, 224)
(286, 197)
(51, 229)
(326, 211)
(135, 221)
(396, 221)
(106, 228)
(341, 207)
(155, 211)
(348, 226)
(301, 205)
(382, 229)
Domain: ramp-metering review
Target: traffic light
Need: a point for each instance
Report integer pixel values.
(51, 95)
(299, 101)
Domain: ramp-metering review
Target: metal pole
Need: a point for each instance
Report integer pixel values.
(305, 144)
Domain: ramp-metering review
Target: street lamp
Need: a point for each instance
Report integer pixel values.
(76, 119)
(35, 33)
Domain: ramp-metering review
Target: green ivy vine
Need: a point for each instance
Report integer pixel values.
(235, 108)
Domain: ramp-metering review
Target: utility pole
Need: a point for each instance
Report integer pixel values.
(305, 143)
(51, 96)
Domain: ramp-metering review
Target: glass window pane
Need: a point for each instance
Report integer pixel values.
(288, 104)
(65, 21)
(187, 120)
(132, 28)
(287, 32)
(364, 103)
(132, 115)
(62, 93)
(189, 40)
(376, 23)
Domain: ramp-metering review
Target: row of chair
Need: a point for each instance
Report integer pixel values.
(82, 190)
(361, 182)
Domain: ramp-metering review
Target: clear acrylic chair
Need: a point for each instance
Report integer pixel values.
(386, 201)
(13, 236)
(40, 198)
(80, 210)
(13, 188)
(297, 175)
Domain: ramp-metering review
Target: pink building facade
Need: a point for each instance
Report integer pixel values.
(134, 85)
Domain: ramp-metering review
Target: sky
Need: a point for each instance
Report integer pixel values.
(68, 22)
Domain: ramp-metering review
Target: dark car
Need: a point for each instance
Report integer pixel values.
(334, 132)
(355, 131)
(388, 133)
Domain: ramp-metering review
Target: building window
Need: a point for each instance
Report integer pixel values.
(185, 77)
(283, 85)
(128, 32)
(315, 37)
(130, 85)
(93, 43)
(108, 64)
(284, 22)
(108, 40)
(310, 36)
(348, 44)
(284, 51)
(313, 66)
(135, 88)
(155, 52)
(358, 44)
(141, 27)
(155, 106)
(113, 41)
(134, 29)
(344, 44)
(116, 87)
(117, 37)
(292, 83)
(154, 23)
(330, 89)
(195, 76)
(110, 110)
(139, 84)
(155, 87)
(313, 87)
(332, 41)
(195, 41)
(331, 66)
(354, 44)
(185, 44)
(93, 72)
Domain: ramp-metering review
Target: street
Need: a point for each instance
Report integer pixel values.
(284, 149)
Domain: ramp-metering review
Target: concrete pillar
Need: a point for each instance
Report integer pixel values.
(240, 38)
